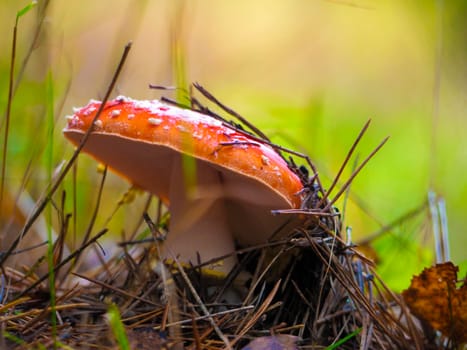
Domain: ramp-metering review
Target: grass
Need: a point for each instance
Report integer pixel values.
(19, 14)
(51, 259)
(118, 327)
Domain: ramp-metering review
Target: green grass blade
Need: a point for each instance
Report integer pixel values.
(49, 167)
(344, 340)
(13, 338)
(118, 329)
(25, 10)
(178, 55)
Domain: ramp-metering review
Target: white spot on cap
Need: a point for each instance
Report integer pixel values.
(166, 127)
(122, 98)
(277, 171)
(131, 116)
(182, 128)
(98, 123)
(115, 113)
(155, 121)
(87, 111)
(69, 117)
(76, 109)
(264, 160)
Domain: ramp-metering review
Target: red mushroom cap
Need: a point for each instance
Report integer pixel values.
(138, 139)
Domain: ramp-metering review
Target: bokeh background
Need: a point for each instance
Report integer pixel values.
(309, 73)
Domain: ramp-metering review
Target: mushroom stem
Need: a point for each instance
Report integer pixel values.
(198, 229)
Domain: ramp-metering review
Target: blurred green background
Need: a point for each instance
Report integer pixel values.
(310, 73)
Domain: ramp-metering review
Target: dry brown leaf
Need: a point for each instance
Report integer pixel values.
(433, 297)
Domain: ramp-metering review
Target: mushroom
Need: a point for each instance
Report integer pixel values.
(226, 198)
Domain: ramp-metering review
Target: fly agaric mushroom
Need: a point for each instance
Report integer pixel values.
(228, 197)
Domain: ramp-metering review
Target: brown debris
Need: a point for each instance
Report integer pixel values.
(433, 296)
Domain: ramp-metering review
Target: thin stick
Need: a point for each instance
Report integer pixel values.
(202, 306)
(346, 160)
(54, 186)
(262, 309)
(12, 88)
(96, 208)
(63, 262)
(354, 174)
(200, 318)
(8, 111)
(115, 289)
(210, 97)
